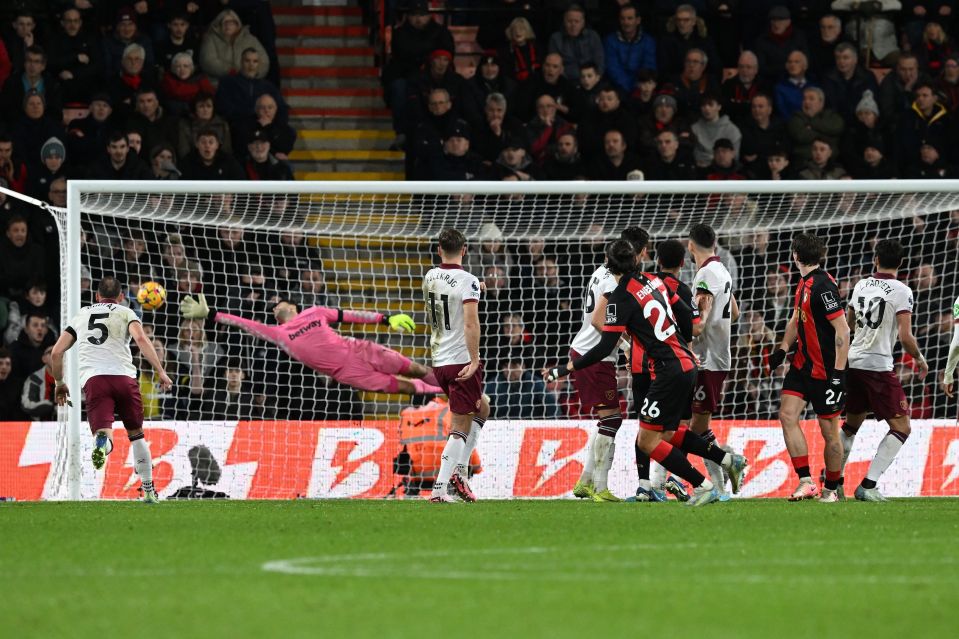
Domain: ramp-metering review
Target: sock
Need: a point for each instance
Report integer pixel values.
(642, 464)
(671, 459)
(142, 462)
(463, 466)
(888, 448)
(587, 475)
(657, 476)
(603, 450)
(420, 387)
(688, 441)
(832, 479)
(847, 436)
(801, 464)
(452, 453)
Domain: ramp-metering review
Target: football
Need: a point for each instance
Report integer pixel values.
(151, 296)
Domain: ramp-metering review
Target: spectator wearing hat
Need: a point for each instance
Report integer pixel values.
(34, 78)
(617, 161)
(610, 115)
(931, 163)
(693, 82)
(781, 39)
(873, 164)
(498, 125)
(577, 43)
(723, 164)
(260, 163)
(520, 57)
(672, 161)
(281, 135)
(549, 79)
(33, 128)
(514, 162)
(711, 127)
(563, 162)
(412, 42)
(223, 45)
(426, 139)
(788, 91)
(125, 33)
(865, 130)
(896, 91)
(926, 121)
(822, 46)
(134, 76)
(628, 50)
(947, 84)
(163, 163)
(87, 136)
(684, 31)
(182, 83)
(489, 78)
(665, 117)
(762, 132)
(180, 37)
(440, 73)
(845, 84)
(208, 161)
(76, 57)
(813, 122)
(739, 90)
(236, 95)
(456, 162)
(821, 165)
(120, 161)
(53, 155)
(544, 129)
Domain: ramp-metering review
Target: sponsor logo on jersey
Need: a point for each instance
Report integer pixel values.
(475, 286)
(610, 313)
(830, 301)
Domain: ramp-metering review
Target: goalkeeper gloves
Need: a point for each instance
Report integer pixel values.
(776, 359)
(194, 308)
(400, 322)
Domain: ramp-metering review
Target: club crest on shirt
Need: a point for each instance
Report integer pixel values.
(610, 313)
(830, 301)
(955, 310)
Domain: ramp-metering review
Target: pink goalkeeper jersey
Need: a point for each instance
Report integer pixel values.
(308, 337)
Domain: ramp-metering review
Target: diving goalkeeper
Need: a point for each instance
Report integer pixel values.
(308, 338)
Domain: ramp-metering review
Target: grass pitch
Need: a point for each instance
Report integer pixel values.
(493, 569)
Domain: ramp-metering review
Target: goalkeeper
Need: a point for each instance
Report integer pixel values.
(308, 337)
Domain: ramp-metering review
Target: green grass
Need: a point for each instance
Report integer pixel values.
(493, 569)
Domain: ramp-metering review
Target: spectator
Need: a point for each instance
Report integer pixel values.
(778, 166)
(75, 56)
(878, 30)
(120, 162)
(27, 352)
(231, 395)
(34, 78)
(563, 162)
(236, 95)
(179, 38)
(12, 168)
(762, 133)
(34, 127)
(10, 388)
(663, 118)
(514, 339)
(439, 73)
(587, 90)
(158, 403)
(931, 164)
(918, 13)
(52, 158)
(195, 360)
(499, 125)
(710, 128)
(789, 90)
(873, 164)
(515, 162)
(260, 163)
(152, 121)
(577, 43)
(814, 121)
(427, 138)
(281, 135)
(115, 46)
(822, 48)
(782, 38)
(208, 161)
(642, 97)
(671, 162)
(724, 165)
(544, 129)
(548, 309)
(519, 57)
(412, 42)
(548, 80)
(134, 76)
(57, 196)
(87, 136)
(617, 161)
(934, 49)
(181, 84)
(223, 46)
(845, 84)
(757, 392)
(202, 116)
(37, 399)
(610, 115)
(163, 163)
(628, 50)
(21, 260)
(776, 305)
(489, 79)
(755, 257)
(492, 251)
(685, 31)
(864, 131)
(739, 90)
(34, 302)
(498, 300)
(927, 120)
(21, 37)
(519, 394)
(897, 88)
(821, 165)
(693, 82)
(948, 83)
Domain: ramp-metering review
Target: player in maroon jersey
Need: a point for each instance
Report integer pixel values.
(642, 306)
(817, 371)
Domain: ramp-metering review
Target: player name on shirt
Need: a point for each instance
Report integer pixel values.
(446, 289)
(877, 301)
(103, 340)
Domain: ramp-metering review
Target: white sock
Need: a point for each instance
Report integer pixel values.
(590, 464)
(888, 448)
(463, 467)
(657, 476)
(847, 442)
(452, 453)
(715, 473)
(143, 463)
(603, 451)
(706, 485)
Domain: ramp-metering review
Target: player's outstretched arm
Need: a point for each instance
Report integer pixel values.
(198, 308)
(64, 343)
(951, 362)
(398, 322)
(909, 343)
(147, 350)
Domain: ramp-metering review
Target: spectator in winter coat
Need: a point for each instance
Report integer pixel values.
(34, 78)
(628, 50)
(610, 115)
(897, 88)
(694, 82)
(931, 164)
(181, 84)
(489, 78)
(208, 162)
(935, 49)
(260, 163)
(545, 128)
(133, 76)
(27, 351)
(710, 128)
(789, 90)
(845, 84)
(282, 136)
(33, 128)
(21, 260)
(671, 162)
(739, 90)
(120, 162)
(53, 156)
(499, 125)
(723, 164)
(457, 162)
(617, 161)
(822, 47)
(116, 44)
(10, 388)
(778, 42)
(577, 43)
(180, 38)
(762, 133)
(87, 136)
(821, 165)
(37, 399)
(563, 162)
(865, 131)
(224, 44)
(814, 122)
(236, 94)
(663, 118)
(685, 31)
(948, 83)
(202, 116)
(927, 121)
(154, 124)
(75, 56)
(520, 57)
(12, 168)
(548, 80)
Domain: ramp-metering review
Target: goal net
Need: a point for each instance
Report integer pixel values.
(244, 419)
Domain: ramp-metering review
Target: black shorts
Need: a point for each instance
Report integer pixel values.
(663, 402)
(825, 401)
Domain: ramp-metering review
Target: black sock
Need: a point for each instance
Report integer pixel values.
(693, 443)
(868, 483)
(672, 460)
(642, 464)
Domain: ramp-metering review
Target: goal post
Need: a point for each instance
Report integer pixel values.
(287, 431)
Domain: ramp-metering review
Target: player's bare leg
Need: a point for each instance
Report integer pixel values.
(899, 430)
(143, 464)
(459, 480)
(790, 409)
(847, 437)
(102, 446)
(654, 444)
(602, 450)
(699, 424)
(832, 454)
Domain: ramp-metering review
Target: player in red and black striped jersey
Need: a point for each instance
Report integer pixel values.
(817, 371)
(642, 306)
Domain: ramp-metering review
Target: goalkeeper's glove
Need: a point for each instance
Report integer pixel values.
(194, 308)
(400, 322)
(776, 359)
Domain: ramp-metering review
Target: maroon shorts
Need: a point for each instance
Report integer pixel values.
(465, 397)
(106, 395)
(877, 392)
(595, 384)
(708, 394)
